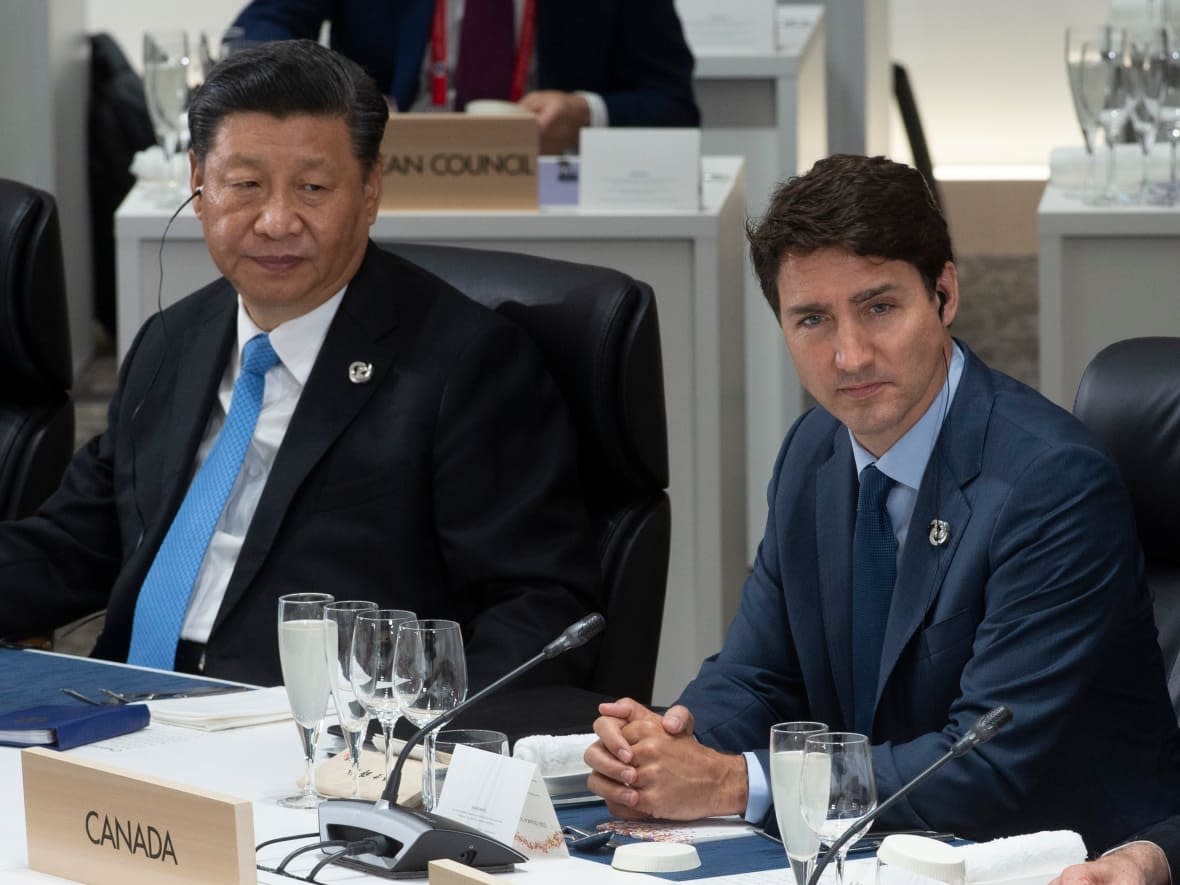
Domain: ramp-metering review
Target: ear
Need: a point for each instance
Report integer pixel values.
(196, 181)
(372, 188)
(947, 285)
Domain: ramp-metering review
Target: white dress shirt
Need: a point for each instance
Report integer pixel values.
(297, 343)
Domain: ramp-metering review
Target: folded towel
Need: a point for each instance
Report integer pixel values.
(554, 755)
(1023, 858)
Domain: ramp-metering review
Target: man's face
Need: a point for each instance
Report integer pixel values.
(866, 339)
(286, 210)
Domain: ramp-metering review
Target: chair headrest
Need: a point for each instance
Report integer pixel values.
(598, 333)
(1129, 398)
(34, 325)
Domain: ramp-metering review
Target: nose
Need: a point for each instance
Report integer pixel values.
(853, 349)
(278, 217)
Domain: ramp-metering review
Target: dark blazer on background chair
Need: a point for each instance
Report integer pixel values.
(36, 369)
(1129, 397)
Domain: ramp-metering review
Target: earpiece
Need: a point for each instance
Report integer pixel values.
(941, 301)
(197, 191)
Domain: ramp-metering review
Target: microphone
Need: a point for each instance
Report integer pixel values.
(983, 730)
(404, 840)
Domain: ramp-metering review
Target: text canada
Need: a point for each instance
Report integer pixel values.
(130, 836)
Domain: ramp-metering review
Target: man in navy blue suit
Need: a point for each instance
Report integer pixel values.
(594, 62)
(1013, 574)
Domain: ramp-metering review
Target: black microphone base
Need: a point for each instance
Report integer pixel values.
(414, 839)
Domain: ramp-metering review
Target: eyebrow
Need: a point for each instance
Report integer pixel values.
(258, 162)
(858, 298)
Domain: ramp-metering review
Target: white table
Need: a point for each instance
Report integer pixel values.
(693, 261)
(771, 109)
(1105, 274)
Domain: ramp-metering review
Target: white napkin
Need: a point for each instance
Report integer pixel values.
(554, 755)
(151, 164)
(1032, 857)
(221, 711)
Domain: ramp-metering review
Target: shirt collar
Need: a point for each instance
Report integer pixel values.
(906, 459)
(297, 341)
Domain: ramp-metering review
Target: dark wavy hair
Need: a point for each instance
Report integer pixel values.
(287, 78)
(868, 206)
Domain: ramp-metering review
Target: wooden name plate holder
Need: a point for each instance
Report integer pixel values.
(93, 823)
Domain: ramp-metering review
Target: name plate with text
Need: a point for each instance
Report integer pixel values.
(93, 823)
(736, 27)
(460, 161)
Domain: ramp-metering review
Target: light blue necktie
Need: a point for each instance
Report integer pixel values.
(874, 572)
(163, 599)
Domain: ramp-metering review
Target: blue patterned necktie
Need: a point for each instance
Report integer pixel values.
(163, 599)
(874, 572)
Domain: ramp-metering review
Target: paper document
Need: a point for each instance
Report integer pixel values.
(221, 711)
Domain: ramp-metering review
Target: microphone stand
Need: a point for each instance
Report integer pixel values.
(983, 730)
(403, 841)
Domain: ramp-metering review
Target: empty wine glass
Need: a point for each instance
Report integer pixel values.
(430, 667)
(1147, 63)
(353, 717)
(1099, 61)
(374, 641)
(1169, 108)
(836, 788)
(305, 675)
(787, 740)
(166, 72)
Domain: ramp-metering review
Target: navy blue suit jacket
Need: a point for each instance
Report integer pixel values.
(631, 52)
(1036, 601)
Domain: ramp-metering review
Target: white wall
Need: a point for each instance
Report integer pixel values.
(126, 20)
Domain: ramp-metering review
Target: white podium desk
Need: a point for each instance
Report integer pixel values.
(693, 262)
(771, 109)
(1105, 274)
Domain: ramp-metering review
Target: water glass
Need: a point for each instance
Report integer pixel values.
(442, 748)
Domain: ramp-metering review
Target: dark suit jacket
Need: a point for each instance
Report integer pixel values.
(1166, 834)
(446, 485)
(631, 52)
(1037, 601)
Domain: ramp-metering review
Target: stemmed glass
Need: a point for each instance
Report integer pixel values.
(1169, 106)
(166, 64)
(430, 667)
(1148, 57)
(836, 787)
(787, 740)
(374, 640)
(354, 718)
(305, 675)
(1074, 41)
(1098, 61)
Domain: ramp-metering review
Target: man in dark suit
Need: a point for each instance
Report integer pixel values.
(1147, 861)
(610, 62)
(409, 447)
(997, 565)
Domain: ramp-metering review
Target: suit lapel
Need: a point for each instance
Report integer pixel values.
(835, 513)
(955, 461)
(329, 402)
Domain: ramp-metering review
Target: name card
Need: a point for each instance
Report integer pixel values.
(640, 169)
(93, 823)
(504, 798)
(460, 161)
(736, 27)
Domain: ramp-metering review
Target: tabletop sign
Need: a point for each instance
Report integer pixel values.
(736, 27)
(460, 161)
(93, 823)
(640, 170)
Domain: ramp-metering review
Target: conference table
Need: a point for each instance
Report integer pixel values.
(694, 263)
(260, 763)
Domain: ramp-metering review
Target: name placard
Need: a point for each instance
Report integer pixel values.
(93, 823)
(736, 27)
(640, 170)
(460, 161)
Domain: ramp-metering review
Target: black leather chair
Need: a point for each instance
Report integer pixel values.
(911, 121)
(599, 334)
(36, 371)
(1129, 397)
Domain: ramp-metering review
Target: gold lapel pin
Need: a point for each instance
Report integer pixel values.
(360, 373)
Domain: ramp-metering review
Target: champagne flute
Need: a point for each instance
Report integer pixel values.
(1104, 79)
(305, 675)
(1169, 108)
(836, 787)
(430, 669)
(166, 63)
(787, 740)
(1148, 55)
(353, 717)
(374, 639)
(1075, 40)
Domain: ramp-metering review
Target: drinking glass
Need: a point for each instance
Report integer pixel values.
(1074, 41)
(787, 740)
(430, 669)
(305, 675)
(166, 72)
(442, 748)
(1147, 53)
(354, 718)
(1169, 108)
(1098, 59)
(836, 787)
(374, 640)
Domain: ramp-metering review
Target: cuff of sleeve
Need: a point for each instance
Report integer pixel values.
(1163, 854)
(758, 799)
(598, 113)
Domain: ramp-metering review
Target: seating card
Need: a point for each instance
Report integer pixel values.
(89, 822)
(736, 27)
(503, 798)
(640, 169)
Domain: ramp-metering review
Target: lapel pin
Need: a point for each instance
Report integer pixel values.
(360, 373)
(940, 531)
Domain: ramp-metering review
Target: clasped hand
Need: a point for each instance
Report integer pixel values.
(647, 765)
